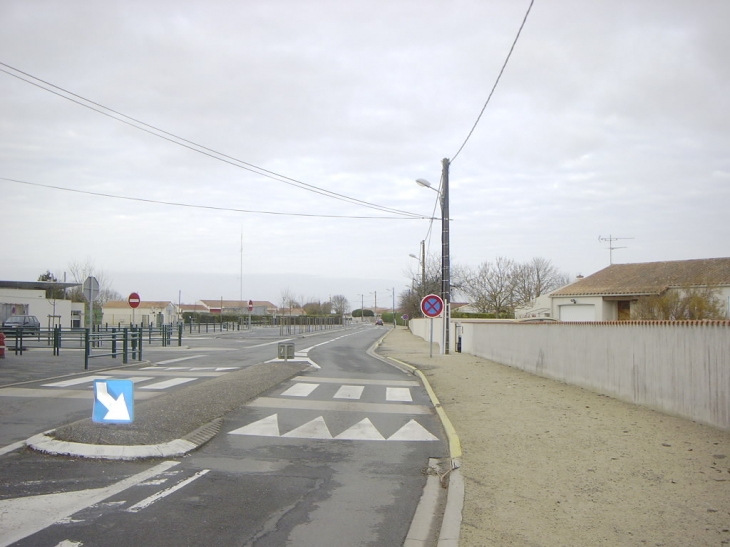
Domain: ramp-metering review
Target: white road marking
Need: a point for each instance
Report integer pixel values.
(347, 406)
(398, 394)
(164, 493)
(364, 381)
(412, 431)
(168, 383)
(315, 429)
(11, 447)
(25, 516)
(364, 430)
(300, 390)
(268, 427)
(349, 392)
(76, 381)
(167, 362)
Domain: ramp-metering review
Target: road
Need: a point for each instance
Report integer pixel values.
(334, 456)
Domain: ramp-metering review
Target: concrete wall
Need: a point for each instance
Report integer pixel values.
(680, 368)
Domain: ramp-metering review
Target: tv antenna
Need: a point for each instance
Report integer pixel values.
(611, 248)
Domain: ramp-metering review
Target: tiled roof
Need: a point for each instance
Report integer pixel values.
(650, 278)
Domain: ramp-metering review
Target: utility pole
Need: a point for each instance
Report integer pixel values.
(445, 259)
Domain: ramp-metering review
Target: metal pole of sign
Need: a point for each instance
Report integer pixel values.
(430, 346)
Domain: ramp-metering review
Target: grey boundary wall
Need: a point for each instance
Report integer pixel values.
(676, 367)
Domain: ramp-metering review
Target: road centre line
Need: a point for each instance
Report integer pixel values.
(363, 381)
(346, 406)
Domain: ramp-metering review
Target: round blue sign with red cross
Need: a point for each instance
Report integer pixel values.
(432, 305)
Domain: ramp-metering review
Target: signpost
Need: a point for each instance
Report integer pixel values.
(250, 309)
(91, 292)
(432, 306)
(134, 301)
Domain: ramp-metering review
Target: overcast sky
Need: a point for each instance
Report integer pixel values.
(612, 118)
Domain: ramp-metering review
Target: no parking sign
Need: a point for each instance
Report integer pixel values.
(432, 305)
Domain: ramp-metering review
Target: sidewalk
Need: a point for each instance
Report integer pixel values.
(548, 464)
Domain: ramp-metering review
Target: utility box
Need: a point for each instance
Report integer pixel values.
(286, 350)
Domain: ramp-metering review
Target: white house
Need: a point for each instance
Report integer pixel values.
(608, 295)
(119, 312)
(29, 298)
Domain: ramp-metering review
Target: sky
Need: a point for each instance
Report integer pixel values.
(610, 120)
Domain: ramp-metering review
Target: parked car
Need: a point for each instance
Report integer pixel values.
(29, 324)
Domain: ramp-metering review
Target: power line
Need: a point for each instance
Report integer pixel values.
(190, 145)
(524, 20)
(209, 207)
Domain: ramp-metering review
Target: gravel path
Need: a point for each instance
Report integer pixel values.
(547, 464)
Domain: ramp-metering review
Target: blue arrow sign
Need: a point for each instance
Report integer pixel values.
(113, 402)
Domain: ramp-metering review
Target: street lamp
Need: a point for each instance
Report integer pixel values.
(422, 260)
(392, 291)
(445, 259)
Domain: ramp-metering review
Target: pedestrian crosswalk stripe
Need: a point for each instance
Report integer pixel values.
(314, 429)
(349, 392)
(364, 430)
(300, 390)
(399, 394)
(168, 383)
(76, 381)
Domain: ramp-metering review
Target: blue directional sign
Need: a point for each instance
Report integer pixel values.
(432, 305)
(113, 402)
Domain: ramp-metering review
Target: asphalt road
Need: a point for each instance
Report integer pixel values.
(334, 456)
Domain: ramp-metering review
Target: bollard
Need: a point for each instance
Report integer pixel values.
(2, 345)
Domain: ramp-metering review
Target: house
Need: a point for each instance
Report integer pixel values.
(119, 312)
(29, 298)
(236, 307)
(610, 294)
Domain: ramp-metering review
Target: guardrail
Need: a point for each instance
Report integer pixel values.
(131, 342)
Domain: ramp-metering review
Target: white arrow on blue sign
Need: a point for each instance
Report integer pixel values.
(113, 402)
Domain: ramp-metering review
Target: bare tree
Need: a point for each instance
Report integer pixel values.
(409, 301)
(80, 271)
(288, 300)
(534, 278)
(490, 288)
(340, 305)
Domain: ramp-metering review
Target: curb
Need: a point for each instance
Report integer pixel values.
(451, 523)
(178, 447)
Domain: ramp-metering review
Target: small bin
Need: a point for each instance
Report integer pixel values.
(286, 350)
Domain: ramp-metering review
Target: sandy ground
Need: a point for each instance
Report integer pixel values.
(547, 464)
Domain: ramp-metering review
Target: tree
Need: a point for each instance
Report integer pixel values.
(409, 301)
(340, 305)
(317, 308)
(491, 287)
(688, 303)
(79, 273)
(56, 293)
(535, 278)
(288, 300)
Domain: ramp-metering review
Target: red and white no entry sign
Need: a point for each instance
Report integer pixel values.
(134, 300)
(250, 305)
(432, 305)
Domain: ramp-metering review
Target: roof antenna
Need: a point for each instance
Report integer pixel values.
(611, 248)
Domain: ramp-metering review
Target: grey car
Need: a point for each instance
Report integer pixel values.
(29, 324)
